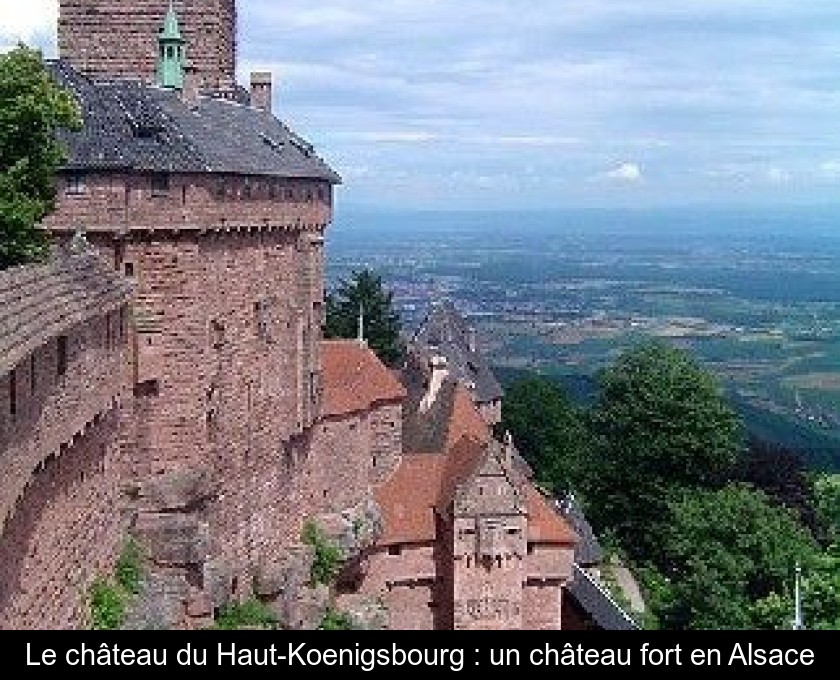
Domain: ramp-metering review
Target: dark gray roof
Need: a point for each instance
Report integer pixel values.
(588, 551)
(40, 302)
(597, 602)
(425, 432)
(128, 125)
(446, 333)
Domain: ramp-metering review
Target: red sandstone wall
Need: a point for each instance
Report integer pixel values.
(67, 529)
(405, 582)
(61, 464)
(226, 356)
(542, 606)
(58, 408)
(549, 562)
(385, 449)
(228, 310)
(488, 596)
(126, 201)
(114, 38)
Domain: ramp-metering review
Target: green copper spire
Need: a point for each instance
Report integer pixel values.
(171, 52)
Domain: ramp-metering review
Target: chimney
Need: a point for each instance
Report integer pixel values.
(472, 340)
(508, 449)
(439, 373)
(192, 86)
(261, 90)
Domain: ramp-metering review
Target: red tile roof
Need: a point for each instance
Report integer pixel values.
(426, 481)
(354, 379)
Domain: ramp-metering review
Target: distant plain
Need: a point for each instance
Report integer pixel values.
(754, 294)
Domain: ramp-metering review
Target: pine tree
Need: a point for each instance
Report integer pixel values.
(363, 297)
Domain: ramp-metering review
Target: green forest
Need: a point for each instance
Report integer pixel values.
(712, 521)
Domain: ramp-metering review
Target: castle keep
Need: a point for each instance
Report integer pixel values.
(118, 39)
(164, 377)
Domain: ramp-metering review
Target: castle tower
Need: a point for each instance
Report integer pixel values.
(171, 52)
(116, 39)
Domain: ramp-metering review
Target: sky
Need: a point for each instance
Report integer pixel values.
(492, 104)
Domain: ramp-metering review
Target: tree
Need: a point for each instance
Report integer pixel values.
(363, 293)
(724, 551)
(661, 425)
(549, 431)
(34, 108)
(783, 475)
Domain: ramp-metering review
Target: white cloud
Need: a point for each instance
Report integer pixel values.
(778, 175)
(391, 136)
(626, 172)
(33, 22)
(830, 169)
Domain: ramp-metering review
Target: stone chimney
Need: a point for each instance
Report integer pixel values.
(439, 373)
(261, 90)
(192, 86)
(507, 450)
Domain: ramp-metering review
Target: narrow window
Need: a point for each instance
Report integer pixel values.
(217, 334)
(160, 184)
(61, 363)
(129, 269)
(149, 388)
(13, 393)
(75, 184)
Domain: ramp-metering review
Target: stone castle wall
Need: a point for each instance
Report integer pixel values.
(128, 201)
(61, 463)
(118, 39)
(226, 369)
(405, 579)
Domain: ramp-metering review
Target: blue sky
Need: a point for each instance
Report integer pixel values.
(522, 104)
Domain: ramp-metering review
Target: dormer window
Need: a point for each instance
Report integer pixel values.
(160, 184)
(75, 184)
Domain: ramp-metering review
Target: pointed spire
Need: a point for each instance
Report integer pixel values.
(798, 620)
(171, 52)
(361, 327)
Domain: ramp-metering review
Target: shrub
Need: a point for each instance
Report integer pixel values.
(336, 620)
(327, 556)
(249, 614)
(107, 605)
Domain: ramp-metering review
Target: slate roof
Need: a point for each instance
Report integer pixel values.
(39, 302)
(588, 551)
(597, 602)
(129, 125)
(445, 332)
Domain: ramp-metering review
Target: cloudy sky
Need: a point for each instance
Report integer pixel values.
(516, 103)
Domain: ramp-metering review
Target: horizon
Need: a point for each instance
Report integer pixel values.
(624, 104)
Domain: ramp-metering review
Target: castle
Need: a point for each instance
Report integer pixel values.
(164, 377)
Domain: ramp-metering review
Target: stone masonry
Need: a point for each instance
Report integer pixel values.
(117, 39)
